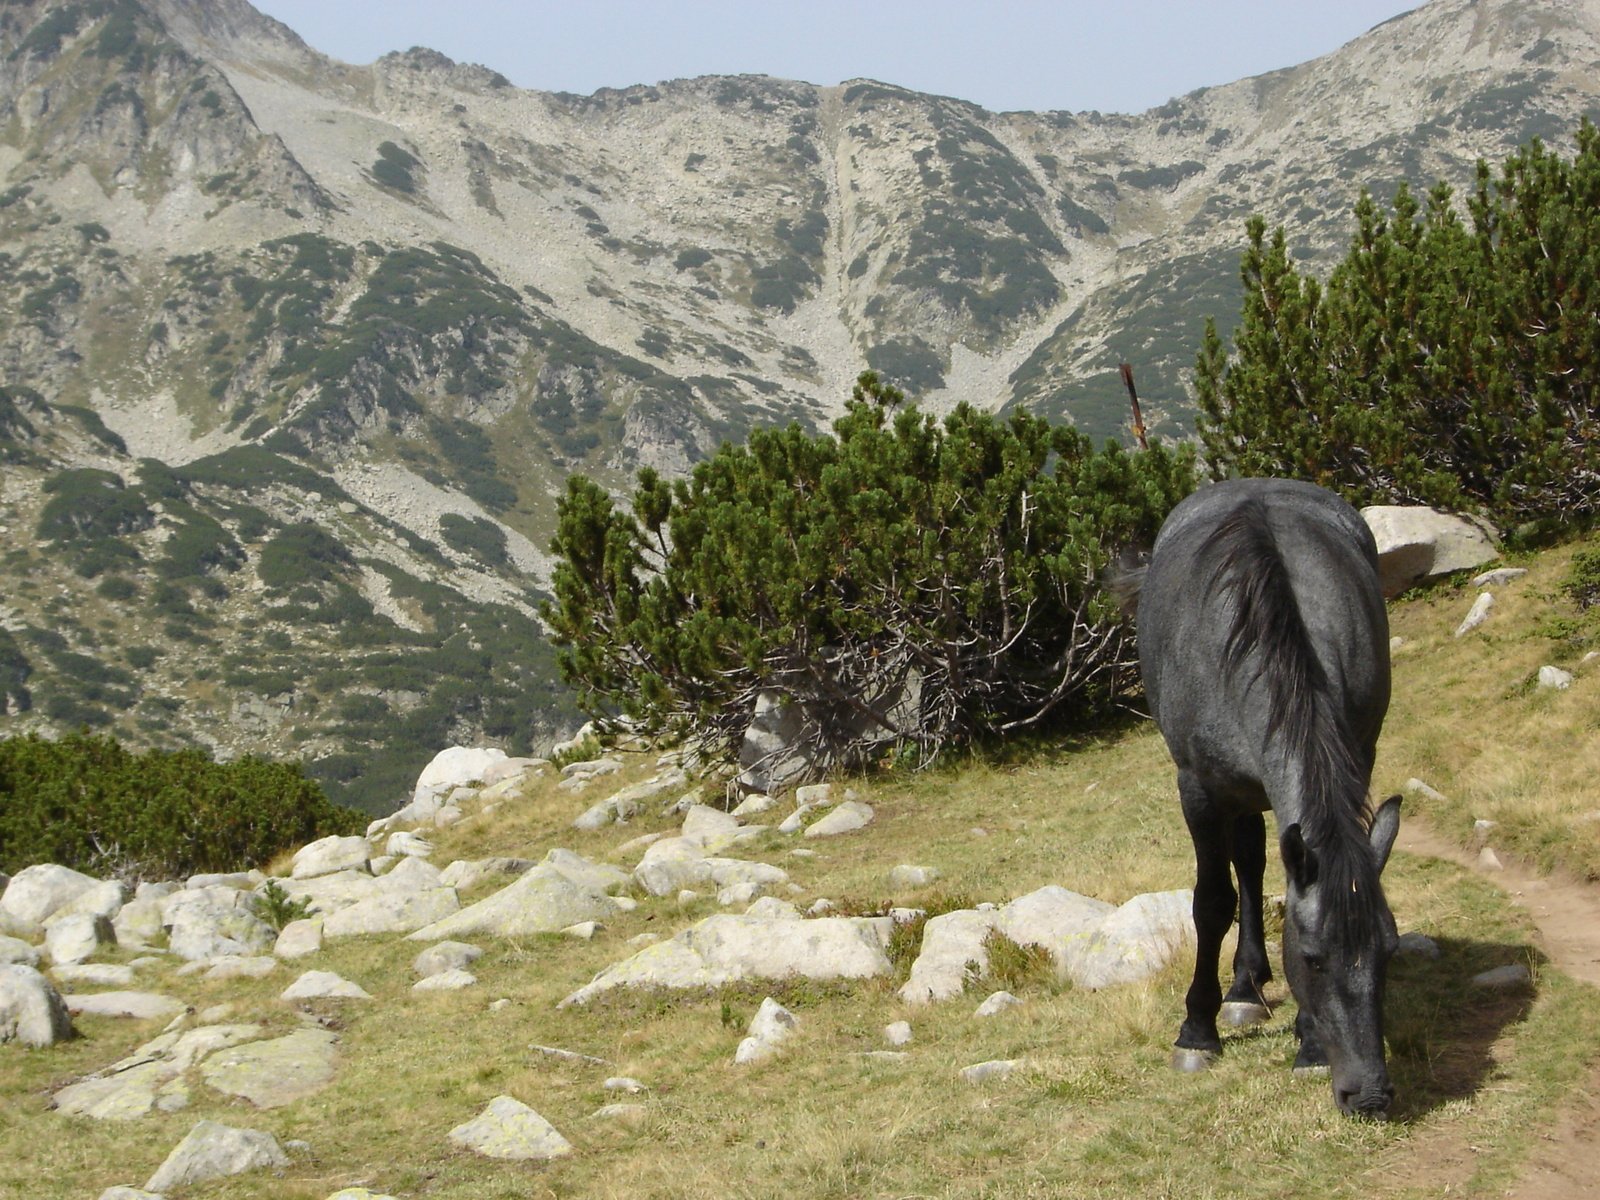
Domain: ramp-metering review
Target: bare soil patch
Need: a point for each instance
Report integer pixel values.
(1565, 1164)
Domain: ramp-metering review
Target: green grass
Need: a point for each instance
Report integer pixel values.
(1095, 1111)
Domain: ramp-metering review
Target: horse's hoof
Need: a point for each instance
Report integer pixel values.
(1240, 1014)
(1312, 1071)
(1189, 1061)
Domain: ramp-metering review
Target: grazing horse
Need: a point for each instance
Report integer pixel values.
(1264, 646)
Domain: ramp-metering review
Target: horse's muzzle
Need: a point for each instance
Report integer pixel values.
(1372, 1101)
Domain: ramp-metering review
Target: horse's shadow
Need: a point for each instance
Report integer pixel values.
(1442, 1028)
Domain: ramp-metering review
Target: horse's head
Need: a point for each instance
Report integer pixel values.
(1336, 951)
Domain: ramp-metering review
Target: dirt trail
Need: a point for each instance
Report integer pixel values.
(1566, 1163)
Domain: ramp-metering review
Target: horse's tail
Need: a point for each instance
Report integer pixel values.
(1269, 639)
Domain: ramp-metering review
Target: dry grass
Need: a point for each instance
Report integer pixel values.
(1095, 1111)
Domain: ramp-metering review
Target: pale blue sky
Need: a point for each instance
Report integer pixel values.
(1111, 55)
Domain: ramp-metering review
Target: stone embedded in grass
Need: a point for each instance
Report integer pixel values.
(1555, 678)
(772, 1025)
(213, 1151)
(1504, 979)
(846, 818)
(1476, 615)
(622, 1083)
(507, 1128)
(1498, 577)
(452, 980)
(15, 950)
(1417, 945)
(394, 912)
(445, 956)
(996, 1004)
(325, 856)
(35, 893)
(909, 875)
(545, 900)
(727, 948)
(206, 922)
(74, 939)
(299, 938)
(234, 966)
(995, 1068)
(31, 1010)
(897, 1033)
(317, 985)
(139, 1006)
(408, 844)
(275, 1072)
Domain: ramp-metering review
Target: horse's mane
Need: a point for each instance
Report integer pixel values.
(1269, 644)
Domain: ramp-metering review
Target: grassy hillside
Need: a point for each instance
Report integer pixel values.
(1095, 1112)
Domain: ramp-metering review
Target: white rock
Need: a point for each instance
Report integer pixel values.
(707, 825)
(234, 966)
(898, 1033)
(1416, 543)
(275, 1072)
(452, 980)
(770, 1028)
(598, 877)
(458, 766)
(739, 895)
(1555, 678)
(512, 770)
(239, 881)
(907, 876)
(213, 1151)
(591, 768)
(507, 1128)
(329, 893)
(1499, 577)
(623, 1083)
(334, 853)
(446, 816)
(445, 956)
(727, 948)
(949, 942)
(139, 922)
(31, 1010)
(773, 909)
(35, 893)
(996, 1004)
(299, 938)
(544, 900)
(75, 939)
(996, 1068)
(1055, 918)
(139, 1006)
(315, 985)
(796, 820)
(814, 793)
(104, 975)
(846, 818)
(1477, 614)
(206, 922)
(1417, 787)
(409, 844)
(754, 804)
(15, 950)
(671, 865)
(584, 931)
(1488, 860)
(104, 899)
(399, 912)
(1136, 941)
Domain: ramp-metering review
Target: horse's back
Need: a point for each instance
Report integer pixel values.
(1203, 678)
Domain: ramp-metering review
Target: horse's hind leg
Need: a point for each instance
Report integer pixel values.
(1214, 899)
(1245, 1004)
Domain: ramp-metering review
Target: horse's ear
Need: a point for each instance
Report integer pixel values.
(1297, 858)
(1385, 827)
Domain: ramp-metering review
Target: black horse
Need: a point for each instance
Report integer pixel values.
(1264, 646)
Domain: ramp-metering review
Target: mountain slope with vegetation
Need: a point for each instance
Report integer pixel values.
(298, 356)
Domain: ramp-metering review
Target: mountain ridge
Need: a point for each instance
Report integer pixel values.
(428, 296)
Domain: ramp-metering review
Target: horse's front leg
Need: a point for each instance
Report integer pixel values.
(1245, 1003)
(1214, 899)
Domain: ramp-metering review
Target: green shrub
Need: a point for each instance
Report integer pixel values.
(302, 553)
(475, 537)
(83, 801)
